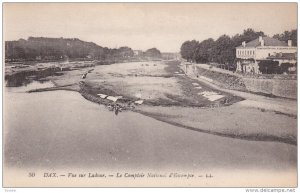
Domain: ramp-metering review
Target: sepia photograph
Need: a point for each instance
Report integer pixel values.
(149, 95)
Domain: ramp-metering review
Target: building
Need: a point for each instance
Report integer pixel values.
(251, 56)
(137, 52)
(170, 56)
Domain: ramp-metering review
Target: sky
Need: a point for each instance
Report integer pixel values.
(144, 25)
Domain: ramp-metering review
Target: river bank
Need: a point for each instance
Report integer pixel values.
(60, 130)
(211, 120)
(170, 96)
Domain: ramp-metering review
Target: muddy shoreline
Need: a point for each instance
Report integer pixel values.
(89, 92)
(251, 137)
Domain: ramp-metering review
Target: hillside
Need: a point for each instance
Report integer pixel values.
(42, 48)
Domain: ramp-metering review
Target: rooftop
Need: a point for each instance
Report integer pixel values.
(267, 42)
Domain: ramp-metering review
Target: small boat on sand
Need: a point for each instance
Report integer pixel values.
(103, 96)
(139, 102)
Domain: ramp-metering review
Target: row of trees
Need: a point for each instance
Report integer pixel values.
(54, 48)
(222, 50)
(40, 48)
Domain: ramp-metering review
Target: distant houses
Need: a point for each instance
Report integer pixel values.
(137, 52)
(170, 56)
(164, 55)
(266, 55)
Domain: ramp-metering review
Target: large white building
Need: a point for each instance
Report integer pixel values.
(250, 54)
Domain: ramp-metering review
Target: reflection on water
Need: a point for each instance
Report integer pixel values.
(17, 80)
(24, 78)
(28, 80)
(61, 130)
(33, 84)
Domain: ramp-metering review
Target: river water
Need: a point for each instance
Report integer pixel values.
(60, 129)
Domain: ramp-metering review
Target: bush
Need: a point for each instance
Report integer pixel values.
(269, 67)
(284, 67)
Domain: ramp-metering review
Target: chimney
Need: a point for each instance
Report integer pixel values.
(290, 43)
(244, 44)
(260, 38)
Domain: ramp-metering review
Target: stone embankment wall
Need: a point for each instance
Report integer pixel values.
(278, 87)
(275, 85)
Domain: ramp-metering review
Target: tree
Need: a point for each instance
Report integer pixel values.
(247, 36)
(203, 51)
(223, 50)
(284, 67)
(126, 52)
(58, 48)
(288, 35)
(153, 52)
(269, 67)
(188, 49)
